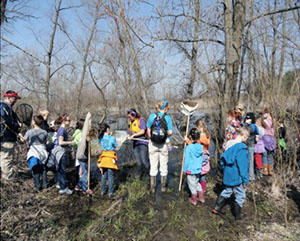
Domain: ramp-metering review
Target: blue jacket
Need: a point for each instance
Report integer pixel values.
(108, 143)
(193, 158)
(235, 162)
(11, 127)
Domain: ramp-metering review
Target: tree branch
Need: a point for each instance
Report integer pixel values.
(271, 13)
(191, 40)
(23, 50)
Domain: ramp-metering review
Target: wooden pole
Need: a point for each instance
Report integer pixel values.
(89, 163)
(182, 163)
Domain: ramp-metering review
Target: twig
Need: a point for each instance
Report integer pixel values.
(159, 230)
(112, 207)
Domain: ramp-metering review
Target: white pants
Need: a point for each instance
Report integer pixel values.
(194, 184)
(158, 153)
(6, 158)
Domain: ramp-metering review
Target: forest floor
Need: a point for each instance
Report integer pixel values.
(272, 209)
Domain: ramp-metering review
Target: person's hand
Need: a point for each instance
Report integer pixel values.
(21, 137)
(101, 170)
(130, 137)
(186, 138)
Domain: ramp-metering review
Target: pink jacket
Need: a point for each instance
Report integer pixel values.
(269, 130)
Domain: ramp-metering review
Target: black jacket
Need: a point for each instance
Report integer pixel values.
(9, 126)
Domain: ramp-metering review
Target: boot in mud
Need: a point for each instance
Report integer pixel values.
(265, 169)
(270, 169)
(220, 203)
(152, 184)
(163, 183)
(237, 212)
(200, 197)
(193, 199)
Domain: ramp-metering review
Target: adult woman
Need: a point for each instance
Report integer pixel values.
(137, 129)
(61, 143)
(159, 125)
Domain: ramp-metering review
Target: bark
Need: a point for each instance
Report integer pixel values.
(3, 8)
(190, 86)
(234, 24)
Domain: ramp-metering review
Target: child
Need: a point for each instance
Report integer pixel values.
(282, 138)
(76, 137)
(233, 118)
(234, 162)
(270, 143)
(205, 141)
(83, 181)
(193, 158)
(37, 154)
(253, 130)
(259, 147)
(108, 159)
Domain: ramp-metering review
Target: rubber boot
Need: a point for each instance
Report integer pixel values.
(220, 203)
(270, 169)
(44, 179)
(203, 185)
(265, 169)
(163, 183)
(36, 180)
(193, 199)
(152, 184)
(237, 212)
(200, 197)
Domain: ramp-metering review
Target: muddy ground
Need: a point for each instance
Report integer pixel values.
(272, 210)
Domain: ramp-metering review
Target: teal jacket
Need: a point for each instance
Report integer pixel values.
(235, 163)
(193, 158)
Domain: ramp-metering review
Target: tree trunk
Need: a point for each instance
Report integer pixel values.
(235, 11)
(190, 86)
(49, 56)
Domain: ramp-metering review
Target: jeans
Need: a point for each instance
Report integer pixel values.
(268, 157)
(39, 172)
(82, 183)
(203, 178)
(251, 163)
(61, 172)
(142, 157)
(194, 184)
(239, 192)
(107, 173)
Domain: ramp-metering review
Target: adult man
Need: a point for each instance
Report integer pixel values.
(9, 129)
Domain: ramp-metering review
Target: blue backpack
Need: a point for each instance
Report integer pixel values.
(159, 129)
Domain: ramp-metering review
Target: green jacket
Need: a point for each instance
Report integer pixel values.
(76, 137)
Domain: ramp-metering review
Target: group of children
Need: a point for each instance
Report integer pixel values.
(248, 150)
(248, 154)
(48, 151)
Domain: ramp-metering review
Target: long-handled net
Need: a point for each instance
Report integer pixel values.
(24, 112)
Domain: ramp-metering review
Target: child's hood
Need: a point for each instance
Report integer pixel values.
(196, 149)
(230, 154)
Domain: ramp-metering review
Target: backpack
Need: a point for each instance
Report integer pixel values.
(159, 129)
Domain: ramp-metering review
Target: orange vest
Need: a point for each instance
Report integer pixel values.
(106, 160)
